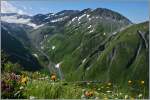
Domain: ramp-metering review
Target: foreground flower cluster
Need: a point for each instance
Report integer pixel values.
(12, 85)
(40, 86)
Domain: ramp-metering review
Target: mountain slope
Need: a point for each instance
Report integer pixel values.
(17, 52)
(124, 57)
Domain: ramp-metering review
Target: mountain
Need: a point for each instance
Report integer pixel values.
(16, 51)
(69, 26)
(74, 20)
(91, 26)
(125, 53)
(18, 31)
(58, 22)
(98, 45)
(92, 44)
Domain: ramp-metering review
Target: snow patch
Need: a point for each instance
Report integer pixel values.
(59, 19)
(74, 19)
(81, 16)
(42, 47)
(104, 33)
(57, 65)
(87, 16)
(47, 17)
(90, 26)
(36, 26)
(45, 36)
(89, 19)
(84, 60)
(53, 47)
(35, 55)
(114, 33)
(88, 68)
(91, 31)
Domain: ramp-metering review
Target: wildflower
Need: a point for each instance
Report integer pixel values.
(32, 97)
(120, 93)
(21, 87)
(108, 91)
(88, 83)
(126, 96)
(24, 80)
(91, 93)
(88, 93)
(142, 82)
(109, 84)
(131, 98)
(129, 82)
(53, 77)
(140, 95)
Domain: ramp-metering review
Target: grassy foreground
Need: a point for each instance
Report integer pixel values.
(55, 90)
(41, 86)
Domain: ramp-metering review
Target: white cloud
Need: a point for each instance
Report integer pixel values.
(9, 8)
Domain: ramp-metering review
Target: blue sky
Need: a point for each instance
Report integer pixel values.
(136, 10)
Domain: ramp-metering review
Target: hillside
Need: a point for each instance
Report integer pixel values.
(17, 53)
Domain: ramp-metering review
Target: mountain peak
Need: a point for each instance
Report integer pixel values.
(86, 10)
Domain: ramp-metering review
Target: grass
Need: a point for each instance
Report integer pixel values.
(46, 89)
(52, 90)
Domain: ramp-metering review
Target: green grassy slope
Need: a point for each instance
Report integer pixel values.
(85, 57)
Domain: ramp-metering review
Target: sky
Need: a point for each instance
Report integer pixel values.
(136, 10)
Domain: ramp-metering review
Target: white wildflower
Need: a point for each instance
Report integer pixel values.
(108, 91)
(126, 96)
(21, 87)
(32, 97)
(140, 95)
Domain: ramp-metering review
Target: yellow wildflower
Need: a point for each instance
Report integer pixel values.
(132, 98)
(53, 77)
(142, 82)
(109, 84)
(129, 82)
(24, 80)
(105, 98)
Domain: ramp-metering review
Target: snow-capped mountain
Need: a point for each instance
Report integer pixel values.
(11, 14)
